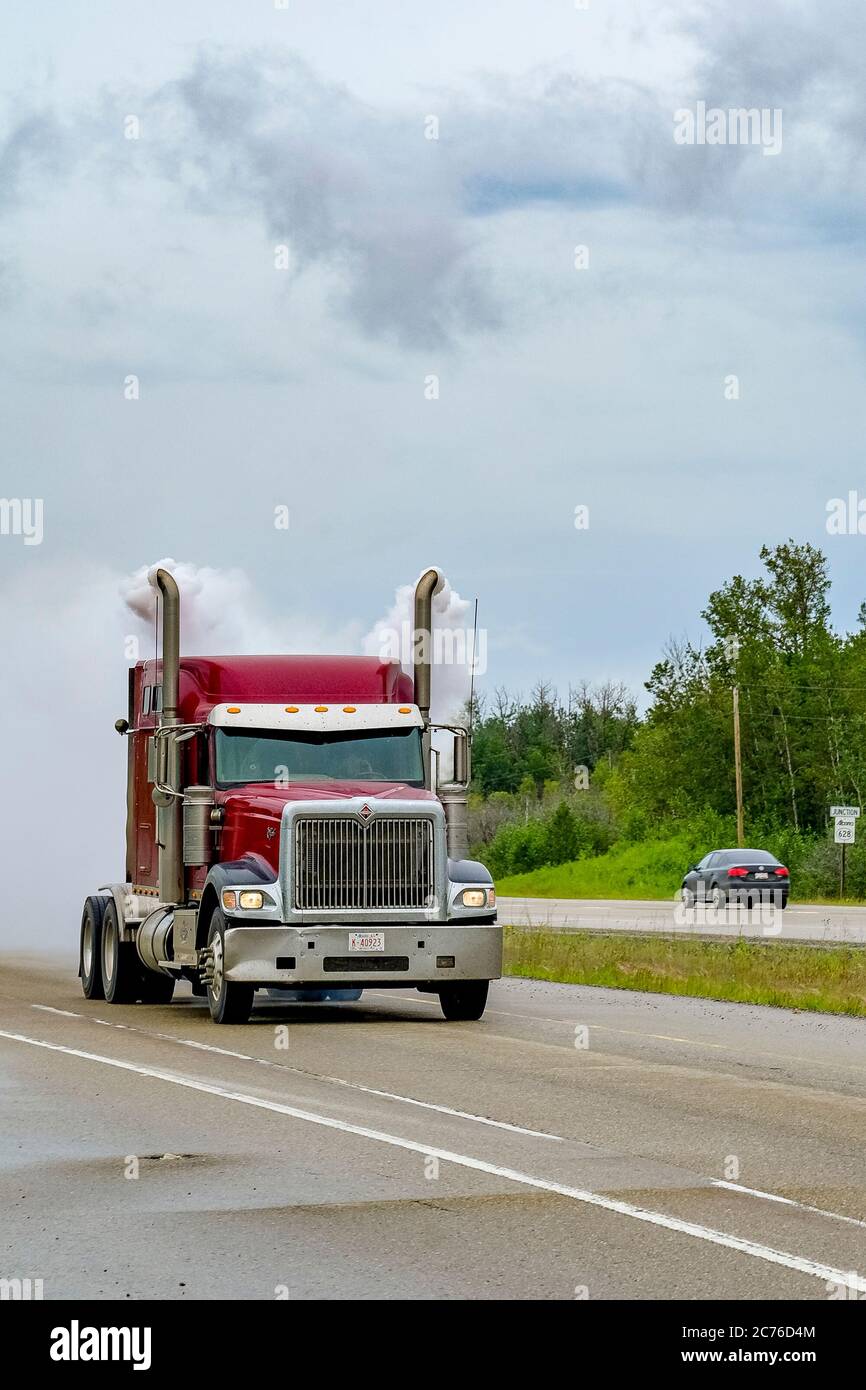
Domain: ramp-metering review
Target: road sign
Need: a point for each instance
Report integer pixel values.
(845, 828)
(847, 811)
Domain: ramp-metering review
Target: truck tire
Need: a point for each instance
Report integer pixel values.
(121, 978)
(228, 1002)
(156, 989)
(90, 948)
(465, 1002)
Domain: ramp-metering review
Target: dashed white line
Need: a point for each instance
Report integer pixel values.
(311, 1075)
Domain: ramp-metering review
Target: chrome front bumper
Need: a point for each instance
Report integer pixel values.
(320, 955)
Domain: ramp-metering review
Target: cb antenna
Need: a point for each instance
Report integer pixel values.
(472, 675)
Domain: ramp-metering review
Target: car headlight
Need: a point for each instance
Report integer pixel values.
(477, 897)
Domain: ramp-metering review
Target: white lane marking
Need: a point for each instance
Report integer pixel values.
(311, 1075)
(787, 1202)
(803, 1265)
(443, 1109)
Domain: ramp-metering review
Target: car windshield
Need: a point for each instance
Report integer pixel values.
(748, 856)
(279, 757)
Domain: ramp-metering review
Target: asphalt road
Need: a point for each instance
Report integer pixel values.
(798, 922)
(384, 1153)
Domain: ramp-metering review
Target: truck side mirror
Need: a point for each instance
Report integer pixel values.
(122, 726)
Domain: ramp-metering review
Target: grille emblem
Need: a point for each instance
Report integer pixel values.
(365, 813)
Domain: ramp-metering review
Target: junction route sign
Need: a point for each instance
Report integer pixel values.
(845, 819)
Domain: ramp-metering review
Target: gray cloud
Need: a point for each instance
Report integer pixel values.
(357, 190)
(397, 227)
(32, 146)
(807, 61)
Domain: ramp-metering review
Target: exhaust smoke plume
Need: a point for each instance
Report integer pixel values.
(452, 646)
(219, 611)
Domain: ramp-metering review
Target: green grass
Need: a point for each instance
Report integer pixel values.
(648, 869)
(821, 979)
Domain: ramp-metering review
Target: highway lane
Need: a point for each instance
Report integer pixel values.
(798, 922)
(576, 1142)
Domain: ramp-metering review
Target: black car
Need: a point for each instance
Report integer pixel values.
(737, 875)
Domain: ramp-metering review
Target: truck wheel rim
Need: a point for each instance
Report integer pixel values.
(217, 983)
(87, 947)
(108, 954)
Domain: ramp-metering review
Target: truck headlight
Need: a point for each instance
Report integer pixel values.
(478, 897)
(249, 898)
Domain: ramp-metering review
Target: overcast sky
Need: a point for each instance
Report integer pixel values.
(306, 128)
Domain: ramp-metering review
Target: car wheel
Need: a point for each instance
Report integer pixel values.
(717, 896)
(687, 897)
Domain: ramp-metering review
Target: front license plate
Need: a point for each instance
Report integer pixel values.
(762, 875)
(366, 941)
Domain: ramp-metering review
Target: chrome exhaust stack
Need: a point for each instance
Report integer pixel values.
(168, 803)
(453, 794)
(422, 638)
(422, 643)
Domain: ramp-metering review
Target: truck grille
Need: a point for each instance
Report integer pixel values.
(340, 863)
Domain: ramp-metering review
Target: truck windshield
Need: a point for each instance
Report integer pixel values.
(273, 755)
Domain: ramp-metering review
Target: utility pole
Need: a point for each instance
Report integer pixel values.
(738, 767)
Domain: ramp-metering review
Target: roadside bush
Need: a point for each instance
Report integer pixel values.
(560, 836)
(517, 849)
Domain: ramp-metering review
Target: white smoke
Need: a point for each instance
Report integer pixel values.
(220, 613)
(453, 646)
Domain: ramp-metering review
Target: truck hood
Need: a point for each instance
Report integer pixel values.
(264, 797)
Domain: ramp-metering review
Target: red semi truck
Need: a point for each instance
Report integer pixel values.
(284, 832)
